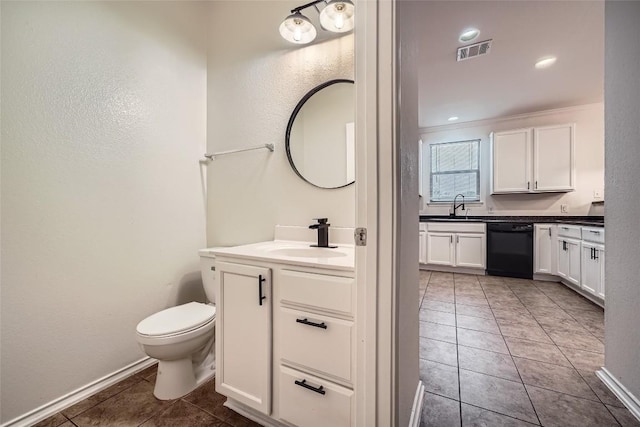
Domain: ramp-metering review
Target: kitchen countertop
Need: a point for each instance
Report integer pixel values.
(592, 221)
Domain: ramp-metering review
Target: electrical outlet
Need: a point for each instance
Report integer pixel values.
(491, 209)
(598, 194)
(564, 208)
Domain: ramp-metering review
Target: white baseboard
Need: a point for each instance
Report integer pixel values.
(69, 399)
(449, 269)
(630, 401)
(253, 415)
(416, 409)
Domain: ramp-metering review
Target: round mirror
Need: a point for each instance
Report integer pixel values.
(320, 138)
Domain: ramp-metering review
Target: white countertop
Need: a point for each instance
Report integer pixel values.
(290, 252)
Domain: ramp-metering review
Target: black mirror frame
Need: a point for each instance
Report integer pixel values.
(290, 126)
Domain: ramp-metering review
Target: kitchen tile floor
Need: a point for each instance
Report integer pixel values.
(511, 352)
(131, 403)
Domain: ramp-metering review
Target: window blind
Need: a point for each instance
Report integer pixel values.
(455, 169)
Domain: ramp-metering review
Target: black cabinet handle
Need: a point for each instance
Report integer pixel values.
(260, 296)
(303, 383)
(306, 321)
(528, 185)
(564, 245)
(595, 254)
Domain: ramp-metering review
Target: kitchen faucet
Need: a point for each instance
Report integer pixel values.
(460, 205)
(323, 233)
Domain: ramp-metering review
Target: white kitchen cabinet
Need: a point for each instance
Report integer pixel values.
(440, 249)
(456, 245)
(591, 276)
(553, 158)
(544, 249)
(533, 160)
(422, 242)
(511, 152)
(243, 340)
(569, 259)
(470, 250)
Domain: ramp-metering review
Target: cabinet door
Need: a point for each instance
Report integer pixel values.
(440, 248)
(563, 258)
(600, 260)
(590, 269)
(511, 166)
(553, 158)
(470, 250)
(422, 253)
(543, 249)
(573, 248)
(243, 335)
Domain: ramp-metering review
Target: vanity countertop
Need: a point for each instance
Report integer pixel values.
(291, 253)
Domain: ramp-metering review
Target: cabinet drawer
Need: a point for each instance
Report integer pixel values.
(571, 231)
(317, 342)
(304, 407)
(457, 227)
(593, 234)
(318, 290)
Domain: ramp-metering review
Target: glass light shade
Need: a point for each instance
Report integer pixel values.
(337, 16)
(297, 28)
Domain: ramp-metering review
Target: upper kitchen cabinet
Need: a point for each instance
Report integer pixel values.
(533, 160)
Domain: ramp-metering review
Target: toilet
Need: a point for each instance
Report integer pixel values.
(181, 338)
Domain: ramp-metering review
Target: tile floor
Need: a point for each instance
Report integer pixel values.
(510, 352)
(131, 403)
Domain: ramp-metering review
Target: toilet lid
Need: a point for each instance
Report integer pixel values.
(177, 319)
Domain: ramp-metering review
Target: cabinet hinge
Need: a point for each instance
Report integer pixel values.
(360, 236)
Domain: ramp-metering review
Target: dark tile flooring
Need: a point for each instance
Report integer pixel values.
(510, 352)
(131, 403)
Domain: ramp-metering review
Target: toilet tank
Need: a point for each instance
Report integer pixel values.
(207, 270)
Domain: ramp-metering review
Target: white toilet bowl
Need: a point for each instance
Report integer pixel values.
(181, 338)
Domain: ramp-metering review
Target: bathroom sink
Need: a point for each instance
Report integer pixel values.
(309, 252)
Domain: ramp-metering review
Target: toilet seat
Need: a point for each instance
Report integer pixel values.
(177, 320)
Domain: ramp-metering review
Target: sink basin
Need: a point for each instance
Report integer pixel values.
(309, 252)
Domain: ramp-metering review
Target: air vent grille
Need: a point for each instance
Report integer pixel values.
(474, 50)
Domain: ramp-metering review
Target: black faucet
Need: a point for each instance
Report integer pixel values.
(323, 233)
(460, 205)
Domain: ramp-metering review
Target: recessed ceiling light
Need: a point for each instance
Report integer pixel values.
(453, 118)
(546, 62)
(468, 35)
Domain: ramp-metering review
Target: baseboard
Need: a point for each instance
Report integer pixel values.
(252, 414)
(416, 409)
(587, 295)
(69, 399)
(449, 269)
(630, 401)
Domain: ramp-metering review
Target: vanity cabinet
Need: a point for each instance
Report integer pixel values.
(286, 349)
(533, 160)
(456, 245)
(243, 334)
(544, 249)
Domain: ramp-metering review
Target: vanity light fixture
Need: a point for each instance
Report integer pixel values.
(468, 35)
(546, 62)
(336, 16)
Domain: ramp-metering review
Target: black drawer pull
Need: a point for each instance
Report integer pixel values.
(306, 321)
(303, 383)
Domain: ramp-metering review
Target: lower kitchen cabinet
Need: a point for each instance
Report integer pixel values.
(592, 275)
(470, 250)
(544, 249)
(422, 242)
(569, 260)
(456, 245)
(440, 249)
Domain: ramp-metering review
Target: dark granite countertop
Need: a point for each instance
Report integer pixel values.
(593, 221)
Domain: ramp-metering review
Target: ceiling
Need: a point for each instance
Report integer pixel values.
(505, 82)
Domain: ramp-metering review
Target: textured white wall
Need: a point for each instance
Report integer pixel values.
(255, 81)
(103, 123)
(589, 152)
(622, 269)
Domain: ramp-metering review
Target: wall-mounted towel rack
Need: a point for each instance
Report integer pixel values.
(213, 156)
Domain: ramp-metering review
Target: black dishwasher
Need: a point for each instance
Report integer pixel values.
(510, 249)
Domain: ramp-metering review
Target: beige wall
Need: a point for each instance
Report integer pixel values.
(254, 83)
(103, 124)
(589, 152)
(622, 268)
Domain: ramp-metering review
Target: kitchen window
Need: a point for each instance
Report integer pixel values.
(455, 169)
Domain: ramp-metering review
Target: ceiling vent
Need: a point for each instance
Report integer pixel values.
(474, 50)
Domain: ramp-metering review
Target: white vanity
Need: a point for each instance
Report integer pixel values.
(285, 332)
